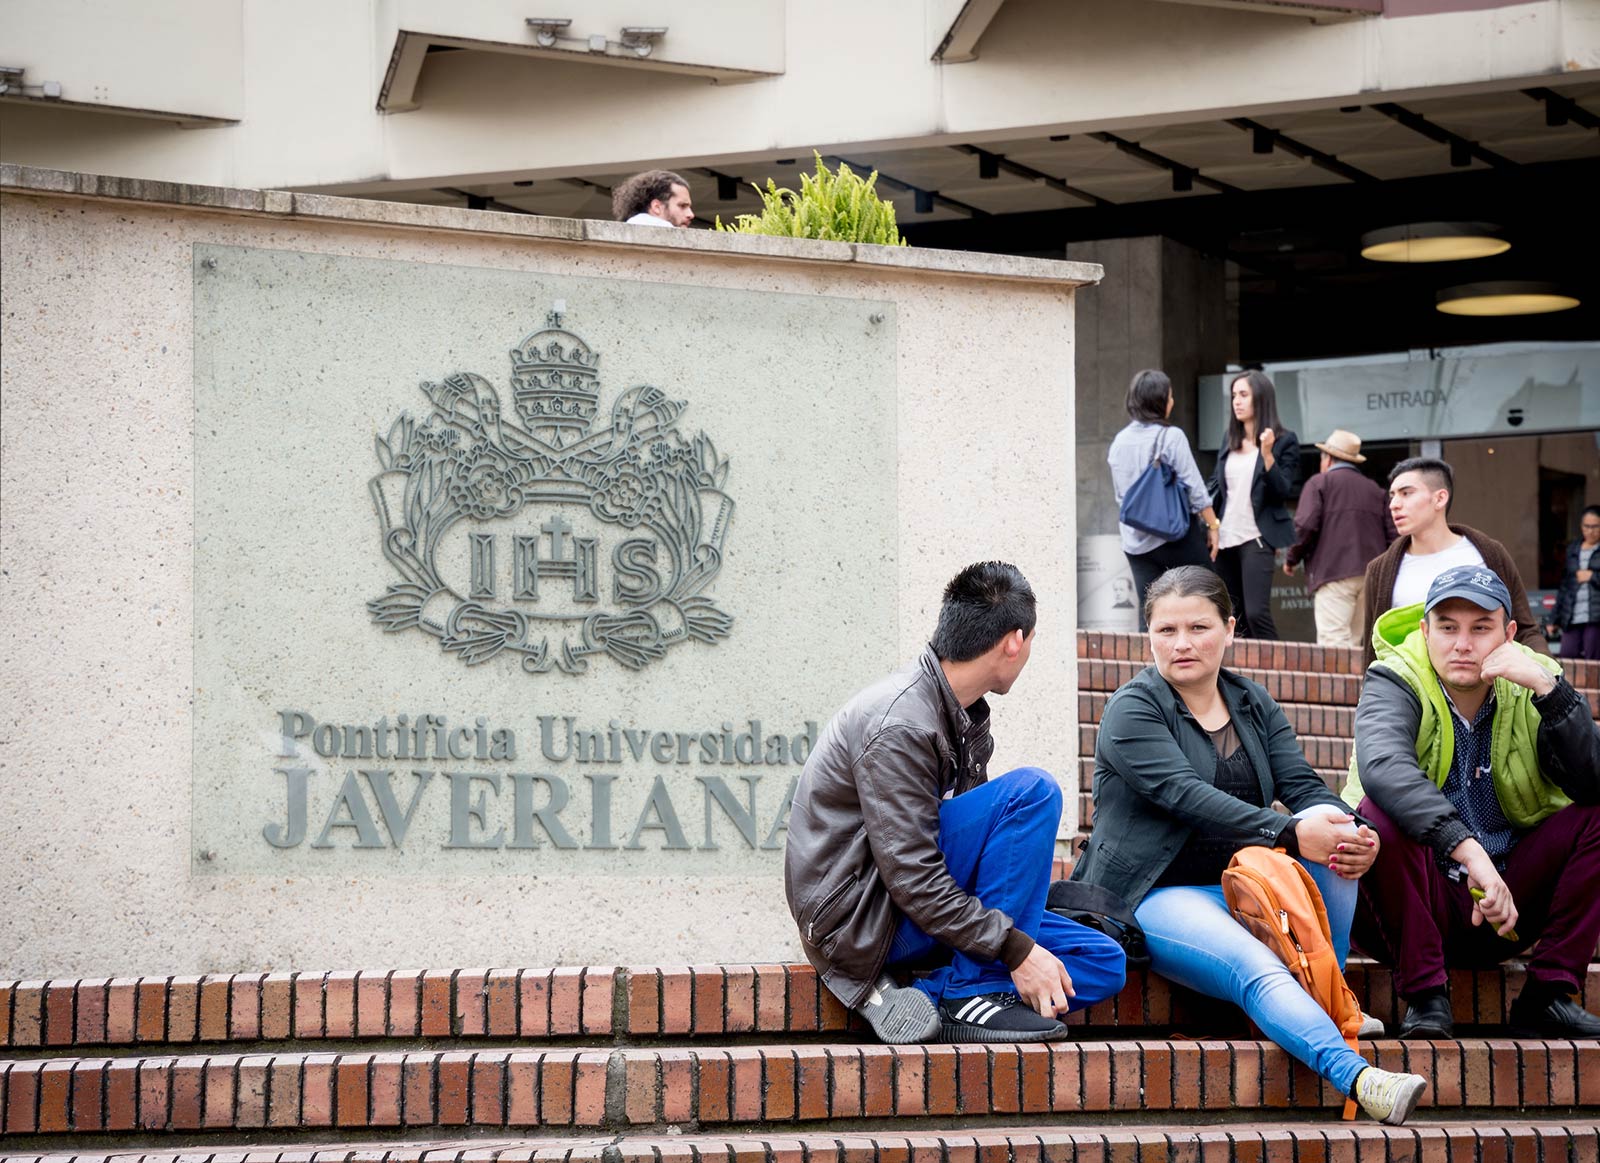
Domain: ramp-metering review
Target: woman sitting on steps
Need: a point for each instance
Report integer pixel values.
(1188, 762)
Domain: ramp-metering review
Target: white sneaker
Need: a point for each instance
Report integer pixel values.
(1371, 1027)
(1387, 1096)
(899, 1015)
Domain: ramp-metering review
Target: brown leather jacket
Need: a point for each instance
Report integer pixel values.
(1383, 569)
(863, 832)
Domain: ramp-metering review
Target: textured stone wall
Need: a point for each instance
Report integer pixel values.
(189, 542)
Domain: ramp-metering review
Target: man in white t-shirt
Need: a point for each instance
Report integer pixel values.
(1420, 492)
(653, 198)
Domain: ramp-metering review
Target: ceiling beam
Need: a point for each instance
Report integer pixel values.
(725, 183)
(1179, 171)
(1033, 175)
(1208, 223)
(1460, 147)
(1559, 110)
(481, 201)
(1301, 150)
(930, 197)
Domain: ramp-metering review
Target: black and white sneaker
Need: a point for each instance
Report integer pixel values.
(995, 1017)
(901, 1015)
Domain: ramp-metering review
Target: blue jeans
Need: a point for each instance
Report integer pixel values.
(1195, 942)
(998, 840)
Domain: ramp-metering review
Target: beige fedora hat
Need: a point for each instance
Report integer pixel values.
(1342, 445)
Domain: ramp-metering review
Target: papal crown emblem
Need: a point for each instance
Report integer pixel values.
(548, 536)
(555, 379)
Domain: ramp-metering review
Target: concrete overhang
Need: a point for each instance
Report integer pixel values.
(723, 41)
(170, 60)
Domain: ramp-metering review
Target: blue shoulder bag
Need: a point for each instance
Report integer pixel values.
(1157, 502)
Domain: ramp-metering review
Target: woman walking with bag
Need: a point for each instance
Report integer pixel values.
(1577, 614)
(1188, 761)
(1141, 448)
(1256, 471)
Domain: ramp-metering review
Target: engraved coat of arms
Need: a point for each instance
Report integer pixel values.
(551, 534)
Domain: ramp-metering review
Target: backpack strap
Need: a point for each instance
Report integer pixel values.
(1101, 909)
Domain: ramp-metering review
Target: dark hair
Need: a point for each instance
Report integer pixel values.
(1435, 472)
(1265, 398)
(1189, 581)
(635, 195)
(1587, 509)
(1148, 393)
(982, 604)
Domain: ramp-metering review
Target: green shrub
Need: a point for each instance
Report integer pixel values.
(836, 205)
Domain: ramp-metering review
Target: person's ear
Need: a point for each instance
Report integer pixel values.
(1511, 629)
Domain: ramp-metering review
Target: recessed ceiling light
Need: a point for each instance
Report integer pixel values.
(1433, 242)
(1504, 298)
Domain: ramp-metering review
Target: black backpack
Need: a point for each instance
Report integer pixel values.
(1101, 909)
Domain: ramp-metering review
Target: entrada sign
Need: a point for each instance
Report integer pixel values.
(505, 533)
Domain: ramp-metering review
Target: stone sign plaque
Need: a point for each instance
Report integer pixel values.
(531, 573)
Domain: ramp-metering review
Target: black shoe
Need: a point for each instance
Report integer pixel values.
(1428, 1019)
(1558, 1017)
(995, 1017)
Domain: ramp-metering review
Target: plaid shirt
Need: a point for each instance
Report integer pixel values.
(1470, 785)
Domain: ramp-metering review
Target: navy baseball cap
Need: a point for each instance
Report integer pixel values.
(1478, 584)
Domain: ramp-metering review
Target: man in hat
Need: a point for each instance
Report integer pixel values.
(1478, 765)
(1342, 523)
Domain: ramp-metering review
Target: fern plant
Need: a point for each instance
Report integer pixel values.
(838, 205)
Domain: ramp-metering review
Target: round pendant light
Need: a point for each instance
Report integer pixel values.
(1433, 242)
(1504, 298)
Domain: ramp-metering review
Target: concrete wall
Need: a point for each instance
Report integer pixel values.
(313, 75)
(103, 534)
(1497, 488)
(1161, 305)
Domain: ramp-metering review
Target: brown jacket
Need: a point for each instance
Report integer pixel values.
(1342, 523)
(1382, 572)
(863, 845)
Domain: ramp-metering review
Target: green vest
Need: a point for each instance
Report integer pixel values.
(1526, 795)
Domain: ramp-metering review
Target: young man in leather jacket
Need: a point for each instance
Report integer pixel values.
(902, 852)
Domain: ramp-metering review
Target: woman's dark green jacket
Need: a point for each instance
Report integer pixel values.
(1154, 774)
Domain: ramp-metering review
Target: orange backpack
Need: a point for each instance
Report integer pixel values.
(1278, 902)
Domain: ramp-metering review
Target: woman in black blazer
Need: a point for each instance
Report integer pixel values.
(1257, 449)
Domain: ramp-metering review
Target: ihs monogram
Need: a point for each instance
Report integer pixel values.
(498, 526)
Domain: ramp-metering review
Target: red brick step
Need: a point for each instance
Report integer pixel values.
(1573, 1140)
(746, 1086)
(601, 1005)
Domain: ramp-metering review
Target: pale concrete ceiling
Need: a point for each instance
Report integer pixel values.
(1320, 147)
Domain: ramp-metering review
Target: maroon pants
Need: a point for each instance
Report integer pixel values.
(1418, 920)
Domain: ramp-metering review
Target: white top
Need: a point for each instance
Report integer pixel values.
(1239, 518)
(645, 218)
(1417, 571)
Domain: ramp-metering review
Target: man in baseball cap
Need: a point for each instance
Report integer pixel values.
(1478, 765)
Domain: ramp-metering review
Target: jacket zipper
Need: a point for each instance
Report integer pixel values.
(827, 903)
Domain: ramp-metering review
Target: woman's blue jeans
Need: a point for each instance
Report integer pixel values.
(997, 841)
(1195, 942)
